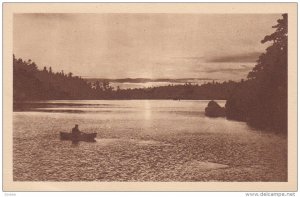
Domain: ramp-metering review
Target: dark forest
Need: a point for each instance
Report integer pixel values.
(31, 83)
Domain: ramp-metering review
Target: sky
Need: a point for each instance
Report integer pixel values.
(214, 46)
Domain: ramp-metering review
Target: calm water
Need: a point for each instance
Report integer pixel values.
(141, 140)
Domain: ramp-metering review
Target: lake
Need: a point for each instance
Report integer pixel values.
(141, 140)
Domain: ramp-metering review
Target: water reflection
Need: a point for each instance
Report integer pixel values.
(146, 140)
(147, 110)
(75, 143)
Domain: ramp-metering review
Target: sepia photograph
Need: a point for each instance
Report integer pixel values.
(146, 96)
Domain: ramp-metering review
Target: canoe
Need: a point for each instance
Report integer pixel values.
(86, 137)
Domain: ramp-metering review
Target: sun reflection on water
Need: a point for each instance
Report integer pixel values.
(147, 110)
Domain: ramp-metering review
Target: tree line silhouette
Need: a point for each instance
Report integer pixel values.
(31, 83)
(261, 100)
(187, 91)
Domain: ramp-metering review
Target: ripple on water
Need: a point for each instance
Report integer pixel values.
(156, 141)
(113, 141)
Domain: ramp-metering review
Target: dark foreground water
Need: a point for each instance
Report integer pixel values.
(142, 140)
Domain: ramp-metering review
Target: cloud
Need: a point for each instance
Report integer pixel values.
(192, 58)
(146, 80)
(242, 58)
(242, 68)
(141, 45)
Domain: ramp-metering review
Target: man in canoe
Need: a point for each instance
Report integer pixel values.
(75, 131)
